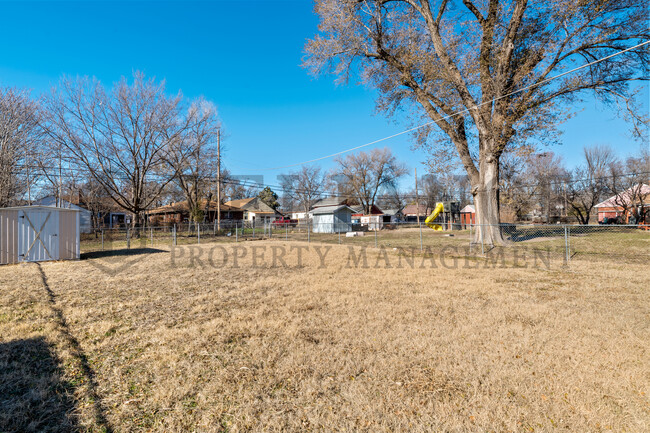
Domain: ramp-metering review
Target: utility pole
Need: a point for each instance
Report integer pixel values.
(60, 178)
(219, 178)
(417, 201)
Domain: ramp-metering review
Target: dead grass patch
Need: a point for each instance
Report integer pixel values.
(336, 348)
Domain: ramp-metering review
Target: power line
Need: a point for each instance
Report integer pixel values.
(466, 110)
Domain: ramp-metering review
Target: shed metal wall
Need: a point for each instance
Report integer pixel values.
(8, 237)
(68, 235)
(29, 234)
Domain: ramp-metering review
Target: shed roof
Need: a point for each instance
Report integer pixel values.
(62, 209)
(330, 209)
(468, 209)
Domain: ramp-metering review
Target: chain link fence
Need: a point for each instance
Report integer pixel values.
(563, 243)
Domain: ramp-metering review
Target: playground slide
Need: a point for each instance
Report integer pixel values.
(429, 221)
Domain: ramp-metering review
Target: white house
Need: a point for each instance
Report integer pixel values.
(85, 216)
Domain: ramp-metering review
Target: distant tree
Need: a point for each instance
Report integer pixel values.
(237, 187)
(193, 158)
(588, 184)
(479, 71)
(269, 197)
(365, 175)
(517, 183)
(304, 187)
(119, 137)
(20, 138)
(550, 176)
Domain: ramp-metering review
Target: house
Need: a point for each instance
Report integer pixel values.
(298, 215)
(468, 215)
(411, 212)
(179, 212)
(392, 216)
(255, 210)
(373, 220)
(637, 197)
(332, 219)
(85, 216)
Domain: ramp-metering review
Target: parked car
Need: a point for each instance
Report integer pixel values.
(285, 222)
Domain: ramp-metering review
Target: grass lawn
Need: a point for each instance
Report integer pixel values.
(136, 343)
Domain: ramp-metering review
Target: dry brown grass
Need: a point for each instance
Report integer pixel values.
(155, 348)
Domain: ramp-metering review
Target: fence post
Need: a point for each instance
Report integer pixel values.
(339, 235)
(102, 239)
(286, 231)
(198, 233)
(421, 243)
(128, 238)
(214, 229)
(482, 229)
(174, 236)
(308, 232)
(236, 232)
(566, 246)
(470, 236)
(151, 235)
(376, 230)
(569, 242)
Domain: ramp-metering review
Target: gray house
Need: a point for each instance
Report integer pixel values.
(332, 219)
(85, 220)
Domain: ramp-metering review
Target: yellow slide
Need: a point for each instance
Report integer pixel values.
(429, 221)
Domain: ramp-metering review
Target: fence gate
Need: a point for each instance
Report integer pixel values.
(38, 232)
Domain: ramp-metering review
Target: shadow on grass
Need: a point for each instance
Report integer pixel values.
(33, 398)
(81, 357)
(119, 253)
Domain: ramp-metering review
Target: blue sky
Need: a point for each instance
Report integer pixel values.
(243, 55)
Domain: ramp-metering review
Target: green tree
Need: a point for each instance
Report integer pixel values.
(269, 197)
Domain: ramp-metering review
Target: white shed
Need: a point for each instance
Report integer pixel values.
(332, 219)
(38, 233)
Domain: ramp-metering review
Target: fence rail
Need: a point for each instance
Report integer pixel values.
(558, 242)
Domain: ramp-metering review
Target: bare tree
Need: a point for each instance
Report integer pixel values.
(304, 187)
(629, 182)
(193, 159)
(19, 139)
(588, 184)
(119, 137)
(365, 175)
(480, 72)
(517, 183)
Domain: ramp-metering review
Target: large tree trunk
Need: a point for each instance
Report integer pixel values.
(486, 200)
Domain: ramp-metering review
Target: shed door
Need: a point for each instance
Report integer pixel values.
(38, 232)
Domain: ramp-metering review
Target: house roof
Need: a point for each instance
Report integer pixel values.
(330, 201)
(252, 204)
(50, 201)
(330, 209)
(182, 206)
(391, 212)
(468, 209)
(626, 196)
(358, 210)
(411, 209)
(241, 202)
